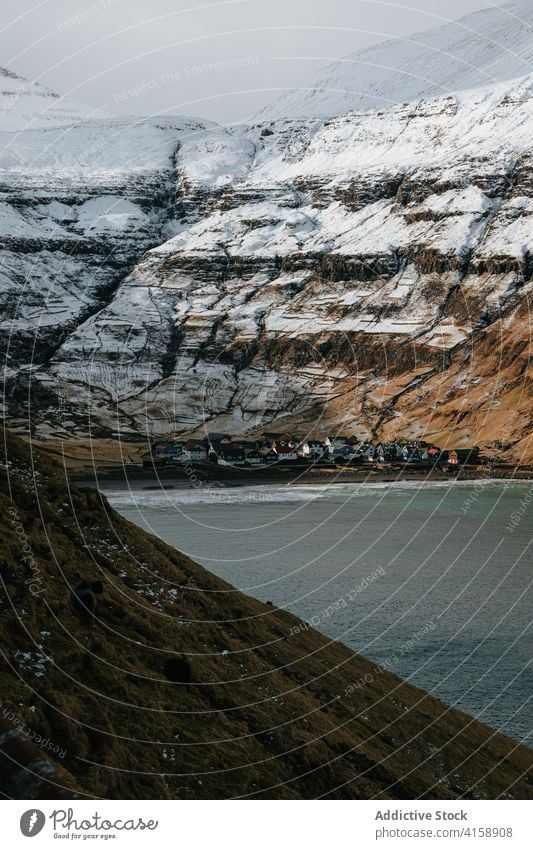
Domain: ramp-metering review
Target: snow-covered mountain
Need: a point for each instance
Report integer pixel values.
(79, 205)
(28, 105)
(486, 47)
(369, 272)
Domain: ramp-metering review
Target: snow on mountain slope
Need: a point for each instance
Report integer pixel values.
(78, 206)
(317, 270)
(160, 276)
(489, 46)
(29, 105)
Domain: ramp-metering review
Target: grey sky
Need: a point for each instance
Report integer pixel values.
(98, 50)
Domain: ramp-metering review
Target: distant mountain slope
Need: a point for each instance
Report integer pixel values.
(29, 105)
(322, 274)
(274, 710)
(489, 46)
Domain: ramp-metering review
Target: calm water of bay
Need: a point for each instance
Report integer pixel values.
(424, 578)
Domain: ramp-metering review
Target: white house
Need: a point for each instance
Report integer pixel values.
(193, 453)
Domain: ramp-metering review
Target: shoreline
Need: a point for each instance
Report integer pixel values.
(203, 475)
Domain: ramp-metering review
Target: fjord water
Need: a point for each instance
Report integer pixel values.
(433, 581)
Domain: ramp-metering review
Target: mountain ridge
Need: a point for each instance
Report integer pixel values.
(446, 59)
(25, 105)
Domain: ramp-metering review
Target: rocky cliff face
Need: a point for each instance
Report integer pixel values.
(368, 273)
(78, 205)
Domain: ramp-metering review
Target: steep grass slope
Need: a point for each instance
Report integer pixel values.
(273, 710)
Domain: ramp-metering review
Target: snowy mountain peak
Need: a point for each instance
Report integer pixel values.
(486, 47)
(28, 105)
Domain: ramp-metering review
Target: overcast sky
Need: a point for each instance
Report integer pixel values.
(98, 51)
